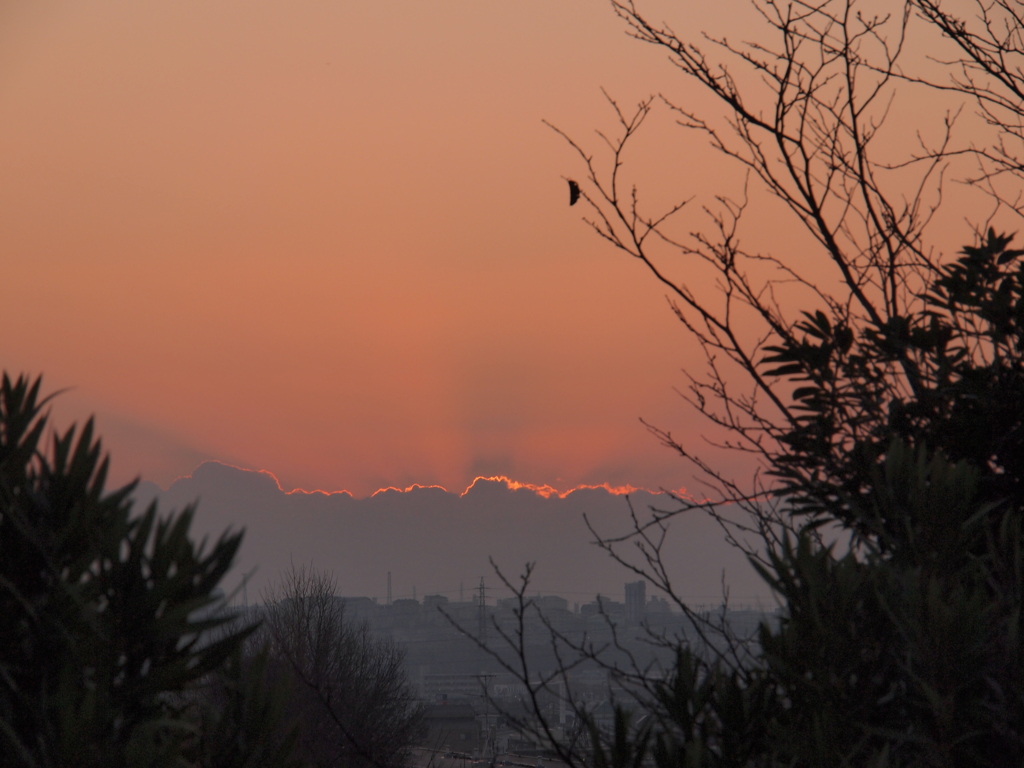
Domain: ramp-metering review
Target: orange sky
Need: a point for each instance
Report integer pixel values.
(331, 239)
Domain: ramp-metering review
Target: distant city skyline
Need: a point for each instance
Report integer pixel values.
(331, 243)
(433, 541)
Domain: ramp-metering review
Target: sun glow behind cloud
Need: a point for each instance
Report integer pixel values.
(547, 491)
(330, 240)
(542, 490)
(333, 239)
(433, 539)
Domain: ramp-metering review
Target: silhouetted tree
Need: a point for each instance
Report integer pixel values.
(111, 622)
(348, 688)
(883, 402)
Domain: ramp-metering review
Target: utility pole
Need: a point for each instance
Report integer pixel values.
(482, 614)
(245, 587)
(389, 587)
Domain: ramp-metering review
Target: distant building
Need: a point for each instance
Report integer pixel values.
(438, 687)
(657, 605)
(550, 603)
(451, 727)
(545, 603)
(604, 606)
(432, 602)
(507, 603)
(358, 607)
(636, 601)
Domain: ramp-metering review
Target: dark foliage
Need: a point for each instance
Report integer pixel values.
(885, 420)
(901, 643)
(346, 687)
(950, 377)
(110, 620)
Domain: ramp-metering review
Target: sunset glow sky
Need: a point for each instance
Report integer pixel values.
(331, 240)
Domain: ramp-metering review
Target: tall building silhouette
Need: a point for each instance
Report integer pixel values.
(636, 601)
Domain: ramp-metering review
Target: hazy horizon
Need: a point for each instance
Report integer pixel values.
(332, 243)
(435, 541)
